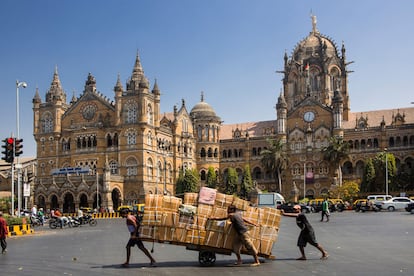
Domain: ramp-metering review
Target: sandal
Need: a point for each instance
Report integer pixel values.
(238, 263)
(325, 257)
(255, 264)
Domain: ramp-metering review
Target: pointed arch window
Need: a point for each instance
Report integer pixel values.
(150, 115)
(131, 137)
(150, 169)
(47, 123)
(131, 113)
(131, 165)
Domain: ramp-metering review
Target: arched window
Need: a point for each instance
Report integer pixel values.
(131, 137)
(131, 165)
(113, 166)
(47, 123)
(132, 112)
(150, 115)
(150, 169)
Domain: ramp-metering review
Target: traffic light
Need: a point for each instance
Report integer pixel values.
(8, 150)
(18, 147)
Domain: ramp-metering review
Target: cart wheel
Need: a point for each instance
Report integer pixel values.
(206, 258)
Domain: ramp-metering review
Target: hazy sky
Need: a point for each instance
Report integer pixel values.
(229, 49)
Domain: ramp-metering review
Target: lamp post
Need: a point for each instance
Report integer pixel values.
(386, 172)
(18, 165)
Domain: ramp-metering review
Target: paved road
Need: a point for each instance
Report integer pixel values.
(358, 244)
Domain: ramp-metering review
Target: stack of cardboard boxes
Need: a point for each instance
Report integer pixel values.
(168, 219)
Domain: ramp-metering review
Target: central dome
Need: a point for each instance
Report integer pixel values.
(203, 110)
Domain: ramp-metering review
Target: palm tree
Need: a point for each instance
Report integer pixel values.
(335, 152)
(275, 159)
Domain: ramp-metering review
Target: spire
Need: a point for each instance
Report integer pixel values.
(202, 96)
(118, 86)
(137, 72)
(74, 99)
(155, 89)
(55, 91)
(36, 98)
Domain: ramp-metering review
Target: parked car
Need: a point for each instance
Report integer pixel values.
(396, 203)
(287, 207)
(378, 199)
(410, 207)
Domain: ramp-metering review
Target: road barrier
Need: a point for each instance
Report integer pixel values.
(17, 230)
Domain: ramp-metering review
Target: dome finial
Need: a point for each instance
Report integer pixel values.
(202, 96)
(313, 17)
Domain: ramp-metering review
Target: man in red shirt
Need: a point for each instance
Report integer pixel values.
(3, 233)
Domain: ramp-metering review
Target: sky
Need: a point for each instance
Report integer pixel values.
(229, 49)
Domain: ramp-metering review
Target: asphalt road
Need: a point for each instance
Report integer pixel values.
(358, 244)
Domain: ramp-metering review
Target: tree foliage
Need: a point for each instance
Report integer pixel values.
(191, 180)
(275, 159)
(211, 180)
(368, 180)
(231, 182)
(335, 152)
(247, 183)
(348, 191)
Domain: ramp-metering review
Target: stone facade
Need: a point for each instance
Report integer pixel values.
(131, 149)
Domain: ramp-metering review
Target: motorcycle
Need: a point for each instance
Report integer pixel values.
(55, 222)
(35, 221)
(87, 219)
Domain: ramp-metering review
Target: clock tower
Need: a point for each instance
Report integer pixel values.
(313, 105)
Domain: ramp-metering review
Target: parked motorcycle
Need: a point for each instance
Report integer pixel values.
(88, 219)
(55, 222)
(35, 221)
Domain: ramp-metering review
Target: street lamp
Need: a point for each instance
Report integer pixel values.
(18, 165)
(386, 172)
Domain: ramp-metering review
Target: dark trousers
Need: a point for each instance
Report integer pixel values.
(3, 243)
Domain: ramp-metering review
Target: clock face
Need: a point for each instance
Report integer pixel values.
(309, 116)
(88, 111)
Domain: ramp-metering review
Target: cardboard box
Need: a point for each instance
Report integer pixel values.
(271, 217)
(171, 203)
(186, 220)
(165, 233)
(204, 209)
(229, 237)
(190, 198)
(214, 239)
(153, 202)
(216, 225)
(223, 200)
(188, 210)
(169, 219)
(267, 233)
(253, 214)
(147, 232)
(207, 196)
(152, 218)
(262, 246)
(219, 212)
(240, 204)
(195, 236)
(180, 235)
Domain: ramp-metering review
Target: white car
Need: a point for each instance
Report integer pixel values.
(396, 203)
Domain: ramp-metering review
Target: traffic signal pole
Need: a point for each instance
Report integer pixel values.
(18, 165)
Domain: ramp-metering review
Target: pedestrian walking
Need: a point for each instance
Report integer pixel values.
(133, 227)
(307, 234)
(325, 210)
(3, 233)
(243, 237)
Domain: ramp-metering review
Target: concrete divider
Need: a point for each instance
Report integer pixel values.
(17, 230)
(105, 215)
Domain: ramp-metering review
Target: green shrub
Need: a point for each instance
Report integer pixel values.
(14, 220)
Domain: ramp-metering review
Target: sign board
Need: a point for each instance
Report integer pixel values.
(26, 189)
(71, 170)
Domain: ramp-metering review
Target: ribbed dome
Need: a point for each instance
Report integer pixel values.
(202, 110)
(312, 45)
